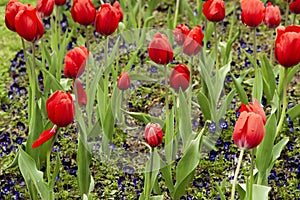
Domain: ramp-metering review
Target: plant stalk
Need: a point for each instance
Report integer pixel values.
(236, 174)
(251, 174)
(254, 49)
(176, 13)
(167, 91)
(287, 9)
(148, 190)
(216, 45)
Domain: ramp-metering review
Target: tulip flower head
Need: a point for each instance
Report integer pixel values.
(180, 33)
(117, 6)
(45, 7)
(12, 9)
(272, 16)
(153, 134)
(180, 77)
(123, 82)
(254, 107)
(193, 42)
(28, 24)
(108, 18)
(83, 12)
(287, 45)
(214, 10)
(75, 61)
(295, 6)
(60, 2)
(160, 49)
(252, 12)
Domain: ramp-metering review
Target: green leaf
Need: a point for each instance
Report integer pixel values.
(186, 166)
(226, 103)
(185, 126)
(51, 82)
(157, 197)
(116, 104)
(204, 105)
(294, 112)
(229, 46)
(260, 191)
(268, 76)
(257, 86)
(167, 175)
(241, 189)
(32, 175)
(142, 77)
(144, 117)
(278, 148)
(208, 32)
(242, 94)
(112, 54)
(56, 171)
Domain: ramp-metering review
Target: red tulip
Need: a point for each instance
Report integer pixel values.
(287, 45)
(119, 10)
(45, 7)
(249, 130)
(123, 81)
(107, 19)
(83, 12)
(75, 61)
(295, 6)
(44, 137)
(254, 107)
(214, 10)
(80, 93)
(180, 33)
(193, 43)
(252, 12)
(272, 16)
(160, 50)
(153, 134)
(180, 77)
(28, 24)
(60, 108)
(12, 9)
(60, 2)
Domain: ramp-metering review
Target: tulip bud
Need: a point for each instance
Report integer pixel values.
(44, 137)
(12, 9)
(45, 7)
(75, 61)
(180, 33)
(153, 134)
(60, 2)
(249, 130)
(295, 6)
(272, 16)
(180, 77)
(252, 12)
(60, 108)
(254, 107)
(287, 45)
(107, 19)
(193, 43)
(28, 24)
(123, 81)
(214, 10)
(83, 12)
(80, 93)
(160, 49)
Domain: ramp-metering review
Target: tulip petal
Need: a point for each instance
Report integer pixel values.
(44, 137)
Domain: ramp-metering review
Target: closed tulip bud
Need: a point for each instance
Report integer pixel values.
(60, 2)
(252, 12)
(272, 16)
(180, 77)
(60, 108)
(214, 10)
(123, 82)
(80, 93)
(153, 134)
(193, 43)
(254, 107)
(75, 61)
(180, 33)
(295, 6)
(28, 24)
(160, 50)
(12, 9)
(44, 137)
(107, 19)
(83, 12)
(287, 45)
(249, 130)
(45, 7)
(117, 6)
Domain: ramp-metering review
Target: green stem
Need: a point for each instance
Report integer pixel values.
(284, 102)
(58, 22)
(254, 49)
(236, 174)
(176, 13)
(287, 9)
(148, 190)
(251, 174)
(216, 45)
(190, 85)
(167, 91)
(48, 165)
(233, 19)
(294, 18)
(87, 38)
(272, 47)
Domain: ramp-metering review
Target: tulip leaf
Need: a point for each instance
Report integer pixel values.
(185, 127)
(51, 82)
(226, 55)
(157, 197)
(169, 136)
(186, 7)
(242, 93)
(264, 150)
(186, 166)
(226, 103)
(141, 77)
(268, 76)
(260, 191)
(204, 105)
(144, 117)
(116, 103)
(56, 171)
(294, 112)
(278, 148)
(167, 175)
(257, 90)
(220, 76)
(112, 54)
(32, 176)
